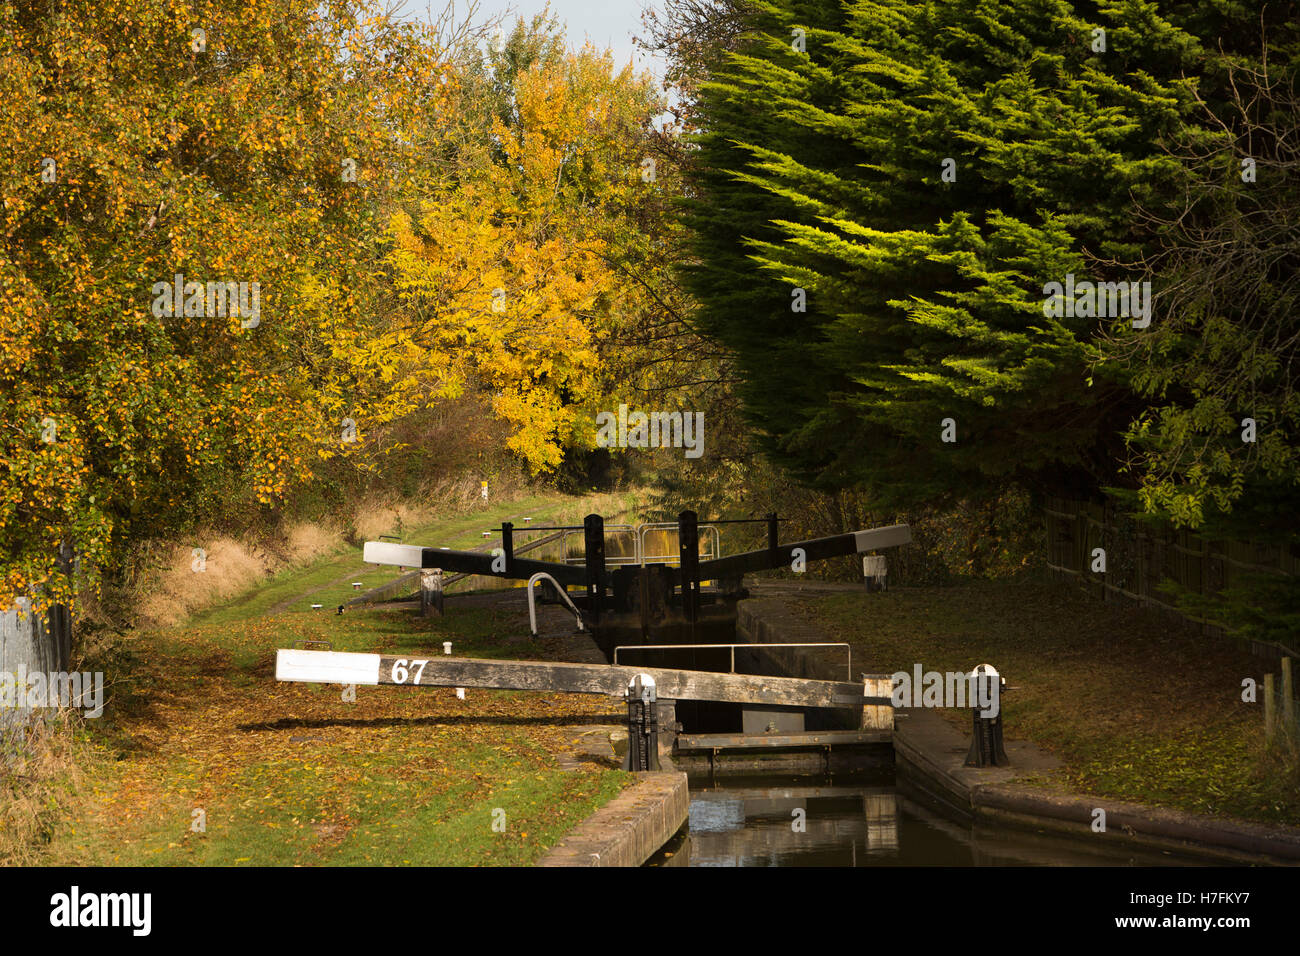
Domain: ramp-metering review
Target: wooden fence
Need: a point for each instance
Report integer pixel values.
(1139, 558)
(31, 642)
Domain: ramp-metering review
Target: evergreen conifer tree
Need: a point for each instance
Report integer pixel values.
(914, 174)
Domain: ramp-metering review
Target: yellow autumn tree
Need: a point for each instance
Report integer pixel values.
(250, 142)
(506, 272)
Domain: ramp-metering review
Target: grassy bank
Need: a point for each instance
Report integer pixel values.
(197, 729)
(1136, 707)
(328, 580)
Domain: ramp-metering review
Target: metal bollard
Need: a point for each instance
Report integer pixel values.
(642, 724)
(986, 747)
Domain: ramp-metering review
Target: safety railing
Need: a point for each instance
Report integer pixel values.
(559, 590)
(614, 560)
(708, 532)
(639, 556)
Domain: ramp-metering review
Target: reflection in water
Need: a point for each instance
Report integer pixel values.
(737, 821)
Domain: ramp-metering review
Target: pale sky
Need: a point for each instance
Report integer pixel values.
(606, 23)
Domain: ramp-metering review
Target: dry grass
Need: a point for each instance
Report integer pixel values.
(230, 567)
(39, 770)
(170, 590)
(375, 515)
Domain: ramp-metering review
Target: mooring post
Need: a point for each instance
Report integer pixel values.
(874, 572)
(688, 545)
(430, 592)
(594, 530)
(642, 724)
(986, 748)
(773, 541)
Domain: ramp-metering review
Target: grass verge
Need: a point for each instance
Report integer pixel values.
(1135, 706)
(202, 758)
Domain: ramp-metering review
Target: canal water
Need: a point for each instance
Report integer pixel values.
(860, 821)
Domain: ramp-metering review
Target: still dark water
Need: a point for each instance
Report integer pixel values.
(859, 821)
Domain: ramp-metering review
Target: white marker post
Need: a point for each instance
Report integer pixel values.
(874, 572)
(460, 691)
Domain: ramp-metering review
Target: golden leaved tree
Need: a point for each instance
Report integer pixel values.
(506, 272)
(244, 141)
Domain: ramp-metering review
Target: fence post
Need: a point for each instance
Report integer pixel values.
(508, 545)
(1288, 698)
(688, 547)
(60, 617)
(594, 558)
(1268, 709)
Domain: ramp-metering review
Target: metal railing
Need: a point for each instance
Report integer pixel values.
(639, 557)
(634, 559)
(643, 529)
(684, 647)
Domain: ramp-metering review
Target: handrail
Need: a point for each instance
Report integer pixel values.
(532, 602)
